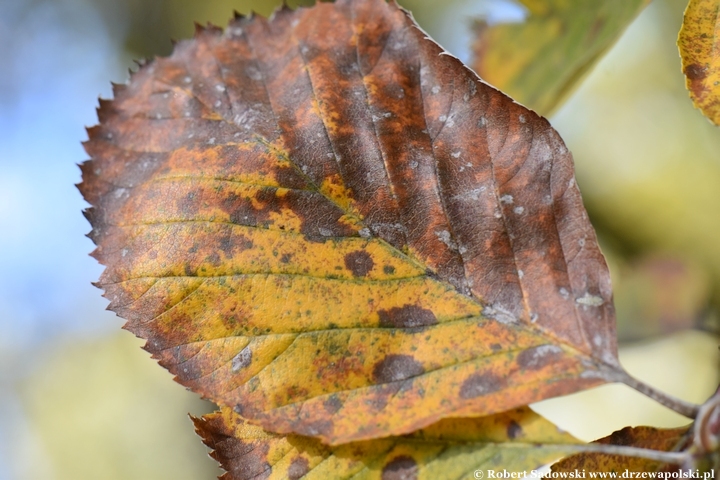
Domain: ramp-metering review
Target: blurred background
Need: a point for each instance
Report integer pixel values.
(79, 399)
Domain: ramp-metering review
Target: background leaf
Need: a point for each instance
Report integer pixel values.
(643, 437)
(453, 448)
(541, 60)
(697, 42)
(345, 236)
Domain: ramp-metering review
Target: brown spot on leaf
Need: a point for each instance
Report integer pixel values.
(242, 359)
(406, 316)
(332, 404)
(481, 384)
(360, 263)
(228, 243)
(214, 259)
(536, 358)
(187, 204)
(401, 468)
(514, 430)
(394, 368)
(299, 467)
(695, 72)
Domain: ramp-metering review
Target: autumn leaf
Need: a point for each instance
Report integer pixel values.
(541, 60)
(664, 440)
(519, 440)
(328, 223)
(698, 44)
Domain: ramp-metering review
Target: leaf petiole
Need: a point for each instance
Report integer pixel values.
(682, 407)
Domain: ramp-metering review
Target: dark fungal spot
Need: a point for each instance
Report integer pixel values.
(538, 357)
(380, 394)
(214, 259)
(514, 430)
(478, 385)
(624, 437)
(496, 347)
(285, 258)
(226, 245)
(239, 209)
(266, 195)
(394, 368)
(187, 205)
(360, 263)
(695, 71)
(242, 359)
(400, 468)
(299, 467)
(406, 316)
(388, 269)
(332, 404)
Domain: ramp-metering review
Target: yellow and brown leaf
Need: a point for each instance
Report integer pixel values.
(329, 224)
(699, 42)
(451, 448)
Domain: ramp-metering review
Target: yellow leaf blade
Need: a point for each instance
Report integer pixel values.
(698, 45)
(454, 448)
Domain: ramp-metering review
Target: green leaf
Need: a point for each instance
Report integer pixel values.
(541, 60)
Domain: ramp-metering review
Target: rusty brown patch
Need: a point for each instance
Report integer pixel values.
(695, 72)
(394, 368)
(400, 468)
(481, 384)
(299, 467)
(406, 316)
(360, 263)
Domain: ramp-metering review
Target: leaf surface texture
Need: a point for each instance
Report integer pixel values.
(329, 224)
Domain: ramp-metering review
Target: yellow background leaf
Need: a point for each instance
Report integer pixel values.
(698, 44)
(517, 440)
